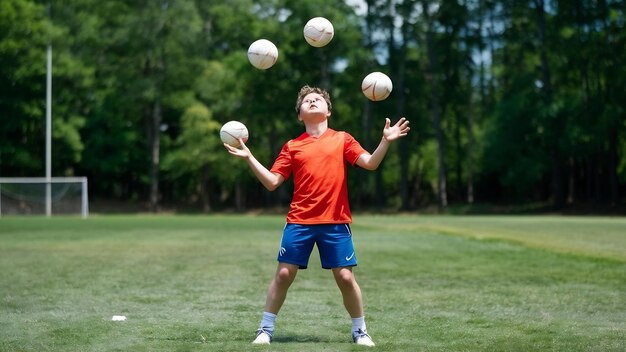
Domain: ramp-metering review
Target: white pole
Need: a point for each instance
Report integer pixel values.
(49, 133)
(85, 199)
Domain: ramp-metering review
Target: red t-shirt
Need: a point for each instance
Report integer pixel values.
(319, 167)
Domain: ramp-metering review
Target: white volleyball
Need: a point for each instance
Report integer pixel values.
(232, 131)
(376, 86)
(318, 32)
(262, 54)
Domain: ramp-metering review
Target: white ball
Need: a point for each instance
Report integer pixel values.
(232, 131)
(376, 86)
(262, 54)
(318, 32)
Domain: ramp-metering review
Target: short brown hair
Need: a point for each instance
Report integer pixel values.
(306, 90)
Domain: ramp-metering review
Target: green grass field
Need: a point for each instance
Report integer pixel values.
(198, 283)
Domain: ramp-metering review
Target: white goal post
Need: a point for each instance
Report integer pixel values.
(41, 195)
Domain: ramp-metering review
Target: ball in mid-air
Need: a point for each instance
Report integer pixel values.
(232, 131)
(376, 86)
(318, 32)
(262, 54)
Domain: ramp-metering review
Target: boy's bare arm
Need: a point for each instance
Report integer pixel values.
(270, 180)
(390, 134)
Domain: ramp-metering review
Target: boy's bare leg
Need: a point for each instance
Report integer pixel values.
(353, 301)
(277, 292)
(350, 291)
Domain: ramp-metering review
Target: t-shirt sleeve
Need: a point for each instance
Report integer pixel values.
(282, 164)
(352, 149)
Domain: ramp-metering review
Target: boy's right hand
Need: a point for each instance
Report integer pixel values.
(243, 153)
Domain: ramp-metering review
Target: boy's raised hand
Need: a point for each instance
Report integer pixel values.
(400, 129)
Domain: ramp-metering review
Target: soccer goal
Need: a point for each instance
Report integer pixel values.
(42, 196)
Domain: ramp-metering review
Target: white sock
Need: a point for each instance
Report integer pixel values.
(358, 323)
(267, 322)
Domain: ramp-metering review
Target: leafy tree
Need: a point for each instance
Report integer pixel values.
(146, 56)
(194, 154)
(26, 33)
(509, 101)
(23, 40)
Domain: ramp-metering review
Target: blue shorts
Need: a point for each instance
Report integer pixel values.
(334, 243)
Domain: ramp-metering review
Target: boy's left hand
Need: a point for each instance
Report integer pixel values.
(400, 129)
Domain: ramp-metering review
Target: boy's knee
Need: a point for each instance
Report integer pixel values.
(284, 275)
(345, 278)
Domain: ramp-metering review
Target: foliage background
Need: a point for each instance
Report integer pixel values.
(510, 102)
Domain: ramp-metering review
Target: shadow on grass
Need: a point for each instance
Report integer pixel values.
(307, 338)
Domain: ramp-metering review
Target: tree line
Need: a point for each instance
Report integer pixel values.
(510, 102)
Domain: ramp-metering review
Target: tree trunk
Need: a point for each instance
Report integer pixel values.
(613, 164)
(556, 186)
(239, 196)
(435, 109)
(204, 189)
(470, 159)
(458, 144)
(155, 146)
(364, 178)
(571, 180)
(366, 120)
(403, 149)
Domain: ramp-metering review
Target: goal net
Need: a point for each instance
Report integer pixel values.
(41, 196)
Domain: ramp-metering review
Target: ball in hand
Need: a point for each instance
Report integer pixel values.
(232, 131)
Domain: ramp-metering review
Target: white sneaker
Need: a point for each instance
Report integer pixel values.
(361, 338)
(263, 337)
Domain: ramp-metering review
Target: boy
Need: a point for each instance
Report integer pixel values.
(319, 212)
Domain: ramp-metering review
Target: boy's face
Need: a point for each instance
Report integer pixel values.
(313, 106)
